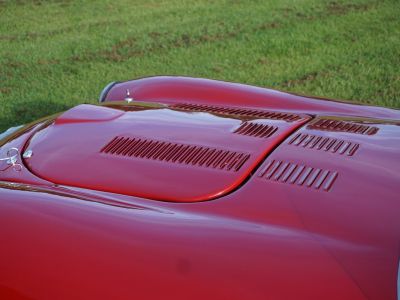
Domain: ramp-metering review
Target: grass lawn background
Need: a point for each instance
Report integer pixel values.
(57, 53)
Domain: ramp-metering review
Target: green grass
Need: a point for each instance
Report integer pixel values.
(57, 53)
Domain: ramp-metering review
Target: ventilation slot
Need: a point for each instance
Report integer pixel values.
(335, 125)
(301, 175)
(176, 153)
(256, 130)
(325, 143)
(241, 112)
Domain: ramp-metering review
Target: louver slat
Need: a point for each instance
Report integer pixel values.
(343, 126)
(291, 173)
(242, 112)
(176, 153)
(256, 130)
(326, 144)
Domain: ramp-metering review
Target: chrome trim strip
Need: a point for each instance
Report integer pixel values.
(105, 91)
(11, 160)
(10, 131)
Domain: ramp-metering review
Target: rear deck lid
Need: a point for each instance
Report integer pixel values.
(183, 153)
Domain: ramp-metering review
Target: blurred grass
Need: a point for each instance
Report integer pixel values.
(57, 53)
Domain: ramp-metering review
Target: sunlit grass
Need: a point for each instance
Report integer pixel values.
(57, 53)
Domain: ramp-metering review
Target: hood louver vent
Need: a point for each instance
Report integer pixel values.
(287, 172)
(157, 152)
(256, 130)
(176, 153)
(241, 112)
(335, 125)
(324, 143)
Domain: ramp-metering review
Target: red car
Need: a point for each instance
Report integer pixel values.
(182, 188)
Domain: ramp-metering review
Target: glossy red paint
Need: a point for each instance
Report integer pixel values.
(170, 151)
(314, 215)
(167, 89)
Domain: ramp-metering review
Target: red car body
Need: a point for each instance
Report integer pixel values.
(198, 189)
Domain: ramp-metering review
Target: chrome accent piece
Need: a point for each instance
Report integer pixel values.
(27, 154)
(105, 91)
(128, 97)
(12, 160)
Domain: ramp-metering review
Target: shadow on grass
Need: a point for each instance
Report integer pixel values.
(24, 112)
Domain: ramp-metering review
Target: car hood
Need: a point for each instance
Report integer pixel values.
(171, 153)
(304, 196)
